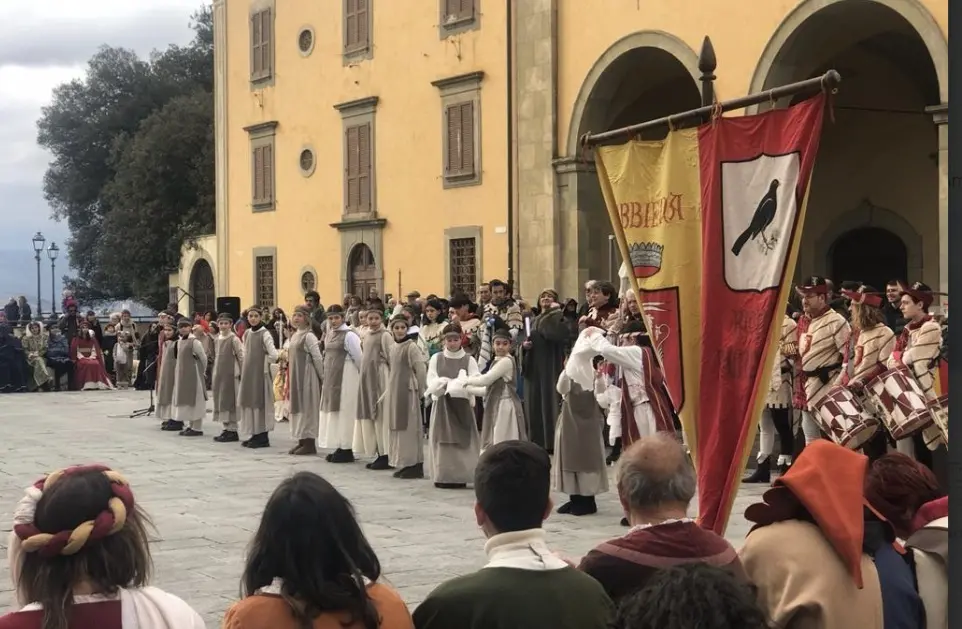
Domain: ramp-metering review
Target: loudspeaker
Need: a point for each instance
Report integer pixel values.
(230, 305)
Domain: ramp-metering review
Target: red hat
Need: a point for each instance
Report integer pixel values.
(815, 285)
(865, 295)
(920, 292)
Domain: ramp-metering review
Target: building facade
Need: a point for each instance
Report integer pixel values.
(430, 144)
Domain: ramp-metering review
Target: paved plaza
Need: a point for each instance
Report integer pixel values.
(206, 498)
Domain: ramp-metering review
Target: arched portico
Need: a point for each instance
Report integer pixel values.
(882, 144)
(643, 76)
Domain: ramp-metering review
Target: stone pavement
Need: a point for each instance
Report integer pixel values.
(206, 498)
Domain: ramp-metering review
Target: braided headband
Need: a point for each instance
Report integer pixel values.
(109, 521)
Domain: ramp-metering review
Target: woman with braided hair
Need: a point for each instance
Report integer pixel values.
(79, 557)
(310, 567)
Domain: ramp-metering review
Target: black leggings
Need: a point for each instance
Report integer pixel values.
(782, 420)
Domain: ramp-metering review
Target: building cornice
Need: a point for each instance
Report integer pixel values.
(361, 223)
(461, 79)
(360, 103)
(260, 127)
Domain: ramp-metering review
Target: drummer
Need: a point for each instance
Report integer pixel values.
(868, 351)
(820, 348)
(918, 348)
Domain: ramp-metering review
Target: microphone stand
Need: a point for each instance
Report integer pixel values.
(146, 412)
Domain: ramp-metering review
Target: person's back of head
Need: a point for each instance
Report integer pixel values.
(77, 531)
(512, 484)
(689, 596)
(655, 478)
(309, 539)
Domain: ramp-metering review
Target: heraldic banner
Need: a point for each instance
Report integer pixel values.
(710, 220)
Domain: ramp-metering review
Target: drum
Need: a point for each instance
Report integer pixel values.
(939, 408)
(842, 417)
(900, 401)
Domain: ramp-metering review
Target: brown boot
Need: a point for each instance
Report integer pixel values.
(308, 446)
(295, 449)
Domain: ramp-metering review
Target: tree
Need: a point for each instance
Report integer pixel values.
(162, 194)
(95, 128)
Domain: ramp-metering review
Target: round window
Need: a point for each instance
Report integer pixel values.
(308, 282)
(305, 41)
(307, 162)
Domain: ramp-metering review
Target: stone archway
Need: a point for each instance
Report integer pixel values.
(773, 66)
(883, 143)
(643, 76)
(202, 290)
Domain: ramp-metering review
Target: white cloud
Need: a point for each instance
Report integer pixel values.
(49, 43)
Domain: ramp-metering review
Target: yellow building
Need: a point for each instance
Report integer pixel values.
(366, 143)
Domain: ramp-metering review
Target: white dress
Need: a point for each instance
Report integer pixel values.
(629, 360)
(337, 427)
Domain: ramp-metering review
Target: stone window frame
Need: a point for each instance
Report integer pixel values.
(263, 252)
(266, 77)
(259, 136)
(465, 231)
(448, 27)
(307, 28)
(355, 113)
(354, 53)
(307, 172)
(458, 90)
(300, 276)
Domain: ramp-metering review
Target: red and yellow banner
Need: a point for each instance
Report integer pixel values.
(710, 221)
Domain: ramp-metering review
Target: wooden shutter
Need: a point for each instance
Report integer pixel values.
(258, 176)
(362, 24)
(352, 170)
(267, 172)
(267, 34)
(350, 24)
(364, 167)
(453, 157)
(257, 60)
(467, 138)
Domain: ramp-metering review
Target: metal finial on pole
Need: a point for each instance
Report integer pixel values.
(707, 64)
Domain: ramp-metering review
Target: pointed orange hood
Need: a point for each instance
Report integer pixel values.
(828, 481)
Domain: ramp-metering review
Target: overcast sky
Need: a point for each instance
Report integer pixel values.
(49, 43)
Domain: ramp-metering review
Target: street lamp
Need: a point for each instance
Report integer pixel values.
(52, 251)
(38, 242)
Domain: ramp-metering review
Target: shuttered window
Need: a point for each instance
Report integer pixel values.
(262, 179)
(357, 22)
(458, 10)
(262, 27)
(460, 160)
(357, 169)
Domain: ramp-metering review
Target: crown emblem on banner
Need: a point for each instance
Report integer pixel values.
(646, 258)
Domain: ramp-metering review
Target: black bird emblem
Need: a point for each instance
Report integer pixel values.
(763, 217)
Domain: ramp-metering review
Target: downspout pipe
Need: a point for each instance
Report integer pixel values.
(509, 44)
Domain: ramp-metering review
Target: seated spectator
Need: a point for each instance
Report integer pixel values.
(89, 370)
(35, 352)
(79, 558)
(524, 585)
(13, 364)
(58, 356)
(692, 595)
(820, 556)
(907, 494)
(656, 484)
(310, 566)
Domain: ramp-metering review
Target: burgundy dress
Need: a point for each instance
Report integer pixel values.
(94, 615)
(89, 370)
